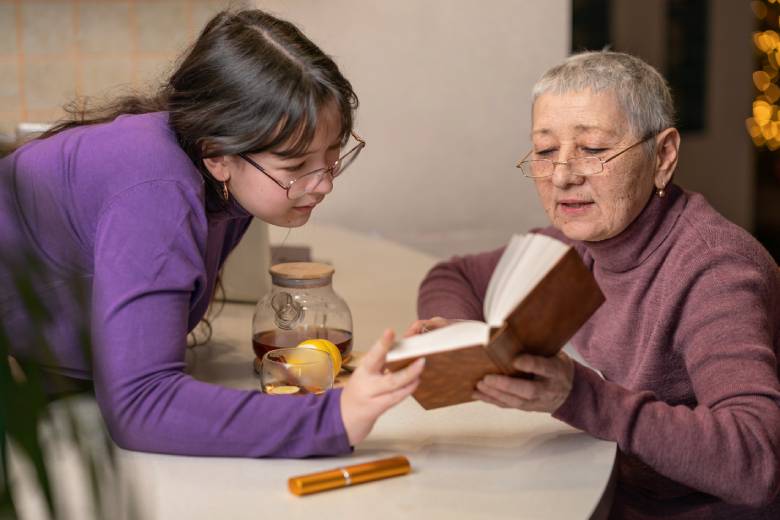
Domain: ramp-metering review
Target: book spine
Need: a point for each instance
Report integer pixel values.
(502, 348)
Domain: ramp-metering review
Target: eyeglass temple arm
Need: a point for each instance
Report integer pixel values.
(621, 152)
(262, 170)
(523, 158)
(360, 140)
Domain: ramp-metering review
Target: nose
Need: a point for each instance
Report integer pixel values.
(324, 183)
(562, 176)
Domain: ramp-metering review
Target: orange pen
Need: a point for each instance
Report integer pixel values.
(349, 475)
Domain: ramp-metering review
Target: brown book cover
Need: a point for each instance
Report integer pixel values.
(549, 315)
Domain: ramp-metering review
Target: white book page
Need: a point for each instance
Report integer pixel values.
(512, 254)
(539, 256)
(576, 356)
(459, 334)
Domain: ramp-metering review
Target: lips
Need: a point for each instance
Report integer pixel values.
(309, 205)
(574, 206)
(574, 200)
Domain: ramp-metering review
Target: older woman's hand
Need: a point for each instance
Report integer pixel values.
(546, 392)
(422, 326)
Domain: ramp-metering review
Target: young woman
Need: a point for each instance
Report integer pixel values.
(144, 200)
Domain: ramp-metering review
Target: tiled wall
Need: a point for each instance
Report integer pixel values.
(54, 50)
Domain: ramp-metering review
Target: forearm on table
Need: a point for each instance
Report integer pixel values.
(150, 404)
(170, 412)
(731, 452)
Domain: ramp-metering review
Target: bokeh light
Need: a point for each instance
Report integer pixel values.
(764, 125)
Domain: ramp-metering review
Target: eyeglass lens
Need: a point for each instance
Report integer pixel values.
(577, 166)
(309, 182)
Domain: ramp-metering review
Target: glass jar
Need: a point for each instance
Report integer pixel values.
(301, 305)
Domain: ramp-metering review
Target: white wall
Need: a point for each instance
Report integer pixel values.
(444, 87)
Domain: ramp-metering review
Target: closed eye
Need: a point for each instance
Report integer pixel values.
(544, 153)
(294, 168)
(594, 151)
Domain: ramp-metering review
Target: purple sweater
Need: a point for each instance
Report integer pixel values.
(687, 341)
(122, 207)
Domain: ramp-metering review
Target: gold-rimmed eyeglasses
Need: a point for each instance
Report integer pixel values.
(308, 182)
(582, 166)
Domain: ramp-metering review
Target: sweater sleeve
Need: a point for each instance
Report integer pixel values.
(456, 288)
(726, 444)
(148, 270)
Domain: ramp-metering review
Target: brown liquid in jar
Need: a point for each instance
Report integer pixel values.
(266, 341)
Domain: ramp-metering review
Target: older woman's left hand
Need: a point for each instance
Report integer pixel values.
(547, 391)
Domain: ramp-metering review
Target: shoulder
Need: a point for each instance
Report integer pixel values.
(716, 261)
(142, 146)
(108, 159)
(705, 237)
(114, 155)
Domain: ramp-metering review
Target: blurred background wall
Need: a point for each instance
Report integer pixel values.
(444, 89)
(52, 50)
(443, 84)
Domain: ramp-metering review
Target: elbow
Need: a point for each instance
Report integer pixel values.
(125, 435)
(761, 489)
(127, 428)
(765, 492)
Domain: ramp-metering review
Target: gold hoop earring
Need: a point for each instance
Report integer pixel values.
(225, 192)
(661, 193)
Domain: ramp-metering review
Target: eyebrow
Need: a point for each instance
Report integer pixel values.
(579, 128)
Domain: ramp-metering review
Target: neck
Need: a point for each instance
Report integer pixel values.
(636, 243)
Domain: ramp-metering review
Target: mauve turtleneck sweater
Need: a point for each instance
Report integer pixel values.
(687, 342)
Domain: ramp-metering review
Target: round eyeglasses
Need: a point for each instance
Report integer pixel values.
(308, 182)
(582, 166)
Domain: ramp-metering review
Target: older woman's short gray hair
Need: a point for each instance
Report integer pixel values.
(641, 91)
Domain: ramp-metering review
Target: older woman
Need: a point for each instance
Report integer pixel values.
(688, 338)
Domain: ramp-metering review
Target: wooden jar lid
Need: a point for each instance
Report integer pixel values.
(301, 271)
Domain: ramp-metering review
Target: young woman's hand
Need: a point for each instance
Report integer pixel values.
(370, 392)
(421, 326)
(551, 385)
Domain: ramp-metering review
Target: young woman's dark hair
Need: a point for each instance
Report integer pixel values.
(246, 72)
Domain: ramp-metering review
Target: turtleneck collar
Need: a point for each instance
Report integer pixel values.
(644, 235)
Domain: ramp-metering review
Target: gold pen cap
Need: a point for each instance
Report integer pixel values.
(349, 475)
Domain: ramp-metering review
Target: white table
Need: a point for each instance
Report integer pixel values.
(468, 461)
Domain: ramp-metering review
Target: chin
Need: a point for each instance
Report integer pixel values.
(288, 221)
(578, 231)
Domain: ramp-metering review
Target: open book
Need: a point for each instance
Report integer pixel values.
(539, 295)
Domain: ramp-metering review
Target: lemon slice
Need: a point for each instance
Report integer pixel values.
(328, 347)
(282, 390)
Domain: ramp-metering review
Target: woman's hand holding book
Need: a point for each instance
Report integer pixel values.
(546, 391)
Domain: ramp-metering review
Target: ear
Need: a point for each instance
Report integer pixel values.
(219, 167)
(667, 150)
